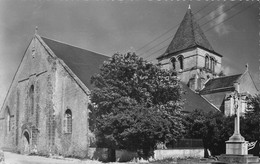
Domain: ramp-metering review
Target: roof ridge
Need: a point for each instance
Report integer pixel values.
(227, 76)
(73, 45)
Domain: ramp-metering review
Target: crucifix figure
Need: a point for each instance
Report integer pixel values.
(237, 112)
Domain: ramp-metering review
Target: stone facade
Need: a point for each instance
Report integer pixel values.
(194, 66)
(32, 116)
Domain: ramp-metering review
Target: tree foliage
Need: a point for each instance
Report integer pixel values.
(136, 104)
(215, 128)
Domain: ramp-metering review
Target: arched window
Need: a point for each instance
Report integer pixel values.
(173, 61)
(207, 62)
(8, 120)
(31, 99)
(212, 64)
(68, 121)
(180, 59)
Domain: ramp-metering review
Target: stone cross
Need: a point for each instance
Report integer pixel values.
(236, 98)
(236, 144)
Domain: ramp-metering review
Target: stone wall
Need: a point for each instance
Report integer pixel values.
(41, 115)
(194, 64)
(178, 153)
(68, 95)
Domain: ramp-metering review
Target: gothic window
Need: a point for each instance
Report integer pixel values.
(207, 62)
(181, 62)
(213, 67)
(68, 121)
(8, 120)
(173, 61)
(31, 99)
(212, 64)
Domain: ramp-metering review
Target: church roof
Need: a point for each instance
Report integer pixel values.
(220, 84)
(188, 35)
(194, 101)
(83, 63)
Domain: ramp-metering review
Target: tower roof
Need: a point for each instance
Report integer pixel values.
(188, 35)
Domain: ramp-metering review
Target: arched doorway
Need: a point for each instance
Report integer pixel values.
(26, 142)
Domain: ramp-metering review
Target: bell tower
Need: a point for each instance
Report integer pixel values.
(191, 55)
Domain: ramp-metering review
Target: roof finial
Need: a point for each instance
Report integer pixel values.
(36, 30)
(247, 66)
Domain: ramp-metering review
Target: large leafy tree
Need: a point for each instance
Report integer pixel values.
(136, 104)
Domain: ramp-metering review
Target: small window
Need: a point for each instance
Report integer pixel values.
(68, 121)
(173, 61)
(8, 120)
(207, 62)
(31, 97)
(180, 59)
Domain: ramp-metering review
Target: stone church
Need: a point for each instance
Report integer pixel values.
(198, 67)
(46, 108)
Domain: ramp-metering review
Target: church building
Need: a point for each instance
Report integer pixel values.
(46, 109)
(198, 66)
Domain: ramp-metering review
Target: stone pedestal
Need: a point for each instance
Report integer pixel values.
(238, 159)
(237, 145)
(236, 148)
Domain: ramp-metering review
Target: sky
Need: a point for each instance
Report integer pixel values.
(110, 26)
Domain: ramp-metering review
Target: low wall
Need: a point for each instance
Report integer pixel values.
(178, 153)
(106, 155)
(125, 156)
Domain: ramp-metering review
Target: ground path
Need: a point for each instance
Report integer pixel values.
(12, 158)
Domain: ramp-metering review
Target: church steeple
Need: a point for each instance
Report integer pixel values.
(190, 54)
(188, 35)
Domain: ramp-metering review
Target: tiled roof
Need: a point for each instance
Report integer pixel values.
(194, 101)
(82, 62)
(188, 35)
(221, 83)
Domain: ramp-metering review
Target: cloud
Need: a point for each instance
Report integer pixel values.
(228, 70)
(219, 16)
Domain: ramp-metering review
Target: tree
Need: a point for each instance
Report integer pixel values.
(136, 105)
(250, 124)
(213, 128)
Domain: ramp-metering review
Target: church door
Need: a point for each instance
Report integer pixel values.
(26, 143)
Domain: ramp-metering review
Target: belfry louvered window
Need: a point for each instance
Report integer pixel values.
(173, 61)
(212, 64)
(207, 62)
(180, 59)
(68, 121)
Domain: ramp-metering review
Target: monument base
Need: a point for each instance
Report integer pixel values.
(238, 159)
(237, 148)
